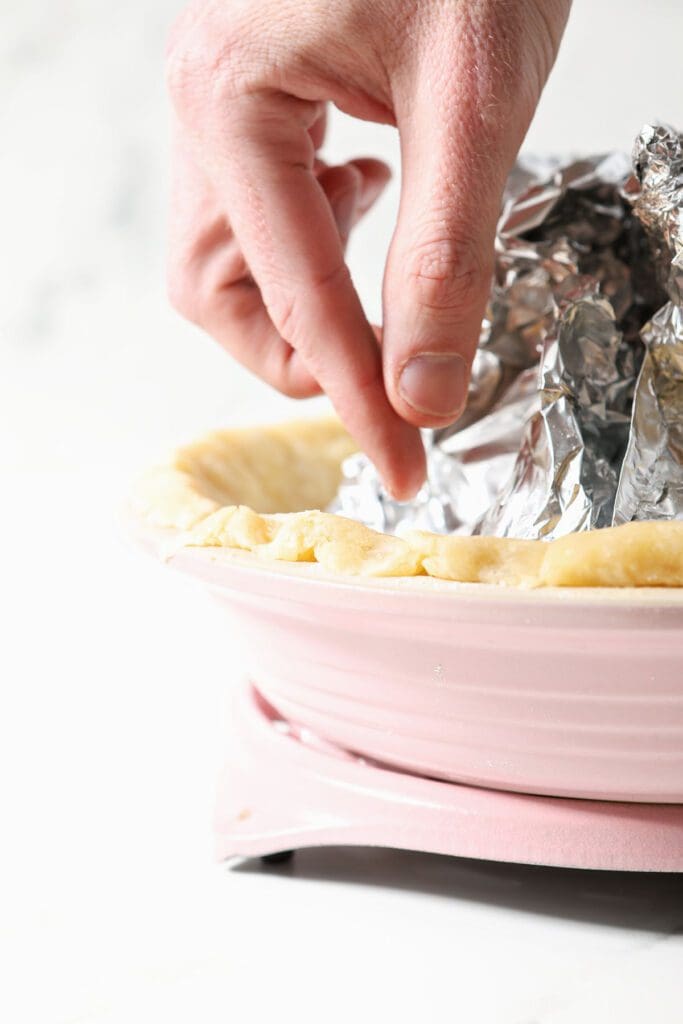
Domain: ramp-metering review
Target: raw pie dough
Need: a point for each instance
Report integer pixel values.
(255, 489)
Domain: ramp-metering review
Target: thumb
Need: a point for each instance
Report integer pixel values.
(461, 125)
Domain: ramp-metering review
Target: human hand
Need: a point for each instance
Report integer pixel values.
(260, 223)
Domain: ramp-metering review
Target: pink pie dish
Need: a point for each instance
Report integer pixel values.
(473, 700)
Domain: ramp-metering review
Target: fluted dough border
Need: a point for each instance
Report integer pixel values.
(245, 489)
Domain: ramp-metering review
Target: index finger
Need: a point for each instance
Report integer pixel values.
(261, 158)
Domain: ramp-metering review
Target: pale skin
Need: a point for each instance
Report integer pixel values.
(260, 222)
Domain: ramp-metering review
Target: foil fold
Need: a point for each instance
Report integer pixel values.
(651, 482)
(575, 411)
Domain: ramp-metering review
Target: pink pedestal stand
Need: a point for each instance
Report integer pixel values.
(282, 789)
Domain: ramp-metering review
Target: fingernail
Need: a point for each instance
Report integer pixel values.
(435, 383)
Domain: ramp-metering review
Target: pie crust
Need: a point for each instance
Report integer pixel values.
(260, 489)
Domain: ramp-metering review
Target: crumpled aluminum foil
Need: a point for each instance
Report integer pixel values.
(651, 483)
(553, 440)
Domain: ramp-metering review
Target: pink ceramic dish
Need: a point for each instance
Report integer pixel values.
(572, 693)
(283, 789)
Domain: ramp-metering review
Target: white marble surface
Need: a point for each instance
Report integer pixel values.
(114, 672)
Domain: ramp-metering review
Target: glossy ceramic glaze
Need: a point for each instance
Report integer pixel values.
(283, 789)
(565, 693)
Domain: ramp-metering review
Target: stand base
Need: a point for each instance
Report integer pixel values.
(284, 788)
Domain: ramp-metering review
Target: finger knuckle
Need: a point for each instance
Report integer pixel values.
(294, 306)
(546, 23)
(283, 310)
(203, 63)
(444, 273)
(551, 17)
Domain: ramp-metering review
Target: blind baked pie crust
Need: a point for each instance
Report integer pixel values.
(260, 490)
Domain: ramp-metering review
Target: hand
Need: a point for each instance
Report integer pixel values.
(260, 223)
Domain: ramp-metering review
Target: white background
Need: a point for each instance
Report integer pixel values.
(114, 672)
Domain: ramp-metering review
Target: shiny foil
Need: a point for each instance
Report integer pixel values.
(575, 412)
(651, 483)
